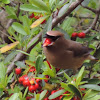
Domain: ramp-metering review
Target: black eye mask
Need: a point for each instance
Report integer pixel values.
(53, 38)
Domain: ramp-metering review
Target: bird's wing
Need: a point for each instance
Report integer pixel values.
(79, 50)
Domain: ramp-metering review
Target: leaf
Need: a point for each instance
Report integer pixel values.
(31, 8)
(2, 70)
(90, 94)
(94, 81)
(85, 3)
(52, 2)
(19, 28)
(64, 8)
(14, 96)
(66, 35)
(10, 10)
(30, 62)
(38, 22)
(48, 25)
(74, 90)
(20, 64)
(8, 47)
(67, 77)
(9, 78)
(80, 76)
(43, 93)
(68, 97)
(91, 86)
(6, 1)
(56, 94)
(40, 4)
(39, 63)
(25, 93)
(65, 86)
(10, 56)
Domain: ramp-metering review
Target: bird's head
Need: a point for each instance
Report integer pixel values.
(51, 37)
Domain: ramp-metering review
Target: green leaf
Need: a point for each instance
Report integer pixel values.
(25, 93)
(75, 90)
(67, 77)
(24, 52)
(10, 10)
(68, 97)
(43, 93)
(9, 78)
(85, 3)
(56, 94)
(10, 56)
(91, 86)
(31, 8)
(14, 96)
(3, 70)
(64, 8)
(52, 2)
(40, 4)
(90, 94)
(80, 76)
(65, 86)
(19, 28)
(94, 81)
(6, 1)
(39, 63)
(30, 62)
(20, 64)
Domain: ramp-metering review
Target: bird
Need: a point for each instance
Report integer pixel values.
(64, 53)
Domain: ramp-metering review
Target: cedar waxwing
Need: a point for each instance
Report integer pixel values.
(63, 53)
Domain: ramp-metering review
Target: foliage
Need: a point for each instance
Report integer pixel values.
(30, 18)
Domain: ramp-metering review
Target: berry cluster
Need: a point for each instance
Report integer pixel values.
(37, 17)
(35, 84)
(80, 35)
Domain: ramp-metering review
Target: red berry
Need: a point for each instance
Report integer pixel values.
(32, 69)
(28, 98)
(26, 83)
(32, 15)
(18, 71)
(32, 88)
(76, 98)
(46, 98)
(81, 35)
(38, 80)
(43, 22)
(52, 92)
(37, 86)
(60, 97)
(21, 79)
(74, 35)
(36, 17)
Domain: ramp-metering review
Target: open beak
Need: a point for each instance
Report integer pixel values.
(47, 42)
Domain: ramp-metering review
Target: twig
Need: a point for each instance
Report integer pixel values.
(93, 25)
(91, 9)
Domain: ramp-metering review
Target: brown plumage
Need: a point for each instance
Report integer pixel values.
(63, 53)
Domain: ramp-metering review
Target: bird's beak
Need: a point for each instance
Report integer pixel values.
(47, 42)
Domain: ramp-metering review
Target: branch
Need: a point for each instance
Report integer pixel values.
(71, 8)
(91, 9)
(93, 25)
